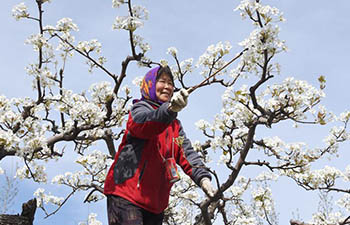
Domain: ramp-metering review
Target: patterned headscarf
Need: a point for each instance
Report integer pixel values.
(148, 86)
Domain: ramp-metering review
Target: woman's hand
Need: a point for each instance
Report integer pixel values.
(179, 100)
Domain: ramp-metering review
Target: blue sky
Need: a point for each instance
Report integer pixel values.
(317, 34)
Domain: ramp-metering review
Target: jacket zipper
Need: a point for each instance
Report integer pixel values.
(141, 174)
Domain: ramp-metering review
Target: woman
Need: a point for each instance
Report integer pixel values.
(139, 181)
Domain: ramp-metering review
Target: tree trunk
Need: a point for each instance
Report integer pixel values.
(14, 220)
(26, 217)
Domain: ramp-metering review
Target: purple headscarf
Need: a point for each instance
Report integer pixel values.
(148, 86)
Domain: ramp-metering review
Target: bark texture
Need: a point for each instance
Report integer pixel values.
(26, 217)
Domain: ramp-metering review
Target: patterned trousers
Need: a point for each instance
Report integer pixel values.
(122, 212)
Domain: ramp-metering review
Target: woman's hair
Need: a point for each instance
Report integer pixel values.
(166, 70)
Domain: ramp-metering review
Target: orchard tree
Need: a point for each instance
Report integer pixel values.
(58, 120)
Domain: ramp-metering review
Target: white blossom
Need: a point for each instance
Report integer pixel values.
(202, 124)
(8, 138)
(211, 55)
(344, 202)
(344, 116)
(224, 159)
(43, 198)
(197, 146)
(347, 173)
(187, 65)
(262, 200)
(140, 12)
(20, 11)
(83, 111)
(320, 218)
(163, 62)
(37, 172)
(38, 41)
(58, 179)
(137, 81)
(255, 47)
(66, 25)
(172, 51)
(127, 23)
(95, 164)
(117, 3)
(101, 92)
(264, 176)
(243, 220)
(89, 46)
(298, 95)
(139, 41)
(275, 143)
(268, 13)
(91, 220)
(319, 178)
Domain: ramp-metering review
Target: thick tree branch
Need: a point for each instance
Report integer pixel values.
(232, 177)
(296, 222)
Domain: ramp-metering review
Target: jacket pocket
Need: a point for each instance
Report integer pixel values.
(128, 160)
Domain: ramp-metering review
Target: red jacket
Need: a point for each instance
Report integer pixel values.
(138, 171)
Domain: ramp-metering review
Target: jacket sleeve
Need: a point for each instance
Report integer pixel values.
(145, 122)
(190, 161)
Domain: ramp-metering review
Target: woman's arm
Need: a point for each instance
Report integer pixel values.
(146, 122)
(190, 161)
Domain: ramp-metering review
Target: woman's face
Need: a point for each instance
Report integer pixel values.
(164, 88)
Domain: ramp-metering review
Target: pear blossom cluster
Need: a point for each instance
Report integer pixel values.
(77, 180)
(344, 202)
(95, 167)
(66, 25)
(20, 11)
(43, 75)
(131, 23)
(202, 124)
(95, 164)
(172, 51)
(182, 67)
(43, 198)
(37, 172)
(262, 201)
(80, 109)
(137, 81)
(264, 40)
(261, 207)
(212, 57)
(38, 41)
(91, 220)
(117, 3)
(180, 202)
(297, 95)
(331, 218)
(247, 8)
(89, 46)
(321, 178)
(240, 187)
(260, 42)
(101, 92)
(140, 42)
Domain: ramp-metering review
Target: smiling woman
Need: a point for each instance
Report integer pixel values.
(164, 86)
(139, 181)
(83, 120)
